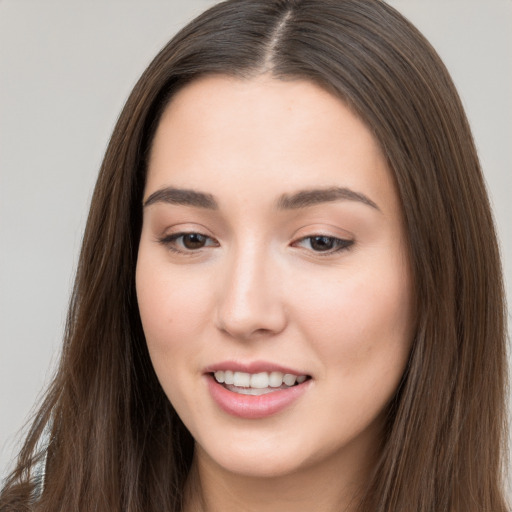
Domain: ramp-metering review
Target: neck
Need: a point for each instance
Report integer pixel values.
(325, 487)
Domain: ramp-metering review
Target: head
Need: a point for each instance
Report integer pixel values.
(298, 261)
(387, 77)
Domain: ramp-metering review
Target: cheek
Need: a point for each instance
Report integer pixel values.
(172, 308)
(361, 323)
(361, 330)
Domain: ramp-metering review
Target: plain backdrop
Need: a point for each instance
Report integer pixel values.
(66, 68)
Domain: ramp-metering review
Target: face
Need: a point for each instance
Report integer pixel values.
(272, 276)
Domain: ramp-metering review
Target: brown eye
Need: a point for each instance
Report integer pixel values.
(193, 241)
(187, 243)
(322, 243)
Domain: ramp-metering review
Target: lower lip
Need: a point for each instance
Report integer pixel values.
(254, 407)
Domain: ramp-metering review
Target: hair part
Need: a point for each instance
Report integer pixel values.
(117, 444)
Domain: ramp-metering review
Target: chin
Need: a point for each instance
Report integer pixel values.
(259, 465)
(255, 457)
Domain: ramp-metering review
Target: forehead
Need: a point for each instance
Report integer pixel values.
(219, 105)
(227, 134)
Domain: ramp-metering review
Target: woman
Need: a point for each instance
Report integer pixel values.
(289, 292)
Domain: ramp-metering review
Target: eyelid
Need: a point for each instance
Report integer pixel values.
(183, 228)
(344, 239)
(181, 234)
(340, 244)
(168, 240)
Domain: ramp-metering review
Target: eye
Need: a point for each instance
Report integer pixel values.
(193, 241)
(324, 244)
(187, 242)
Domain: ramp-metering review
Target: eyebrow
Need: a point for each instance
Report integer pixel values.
(295, 201)
(305, 198)
(184, 197)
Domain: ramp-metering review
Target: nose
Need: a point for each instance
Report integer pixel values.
(250, 304)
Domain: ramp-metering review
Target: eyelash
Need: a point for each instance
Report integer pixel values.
(340, 244)
(171, 241)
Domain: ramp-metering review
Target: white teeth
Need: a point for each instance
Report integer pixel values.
(275, 379)
(242, 380)
(257, 381)
(289, 379)
(250, 391)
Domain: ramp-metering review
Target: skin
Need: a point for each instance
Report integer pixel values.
(260, 290)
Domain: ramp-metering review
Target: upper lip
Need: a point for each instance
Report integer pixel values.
(251, 367)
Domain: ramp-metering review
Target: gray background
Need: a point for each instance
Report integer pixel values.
(66, 68)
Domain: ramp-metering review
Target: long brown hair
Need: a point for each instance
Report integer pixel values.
(114, 441)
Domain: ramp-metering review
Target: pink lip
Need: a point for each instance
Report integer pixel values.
(251, 406)
(252, 367)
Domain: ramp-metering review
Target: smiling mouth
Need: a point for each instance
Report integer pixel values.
(257, 383)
